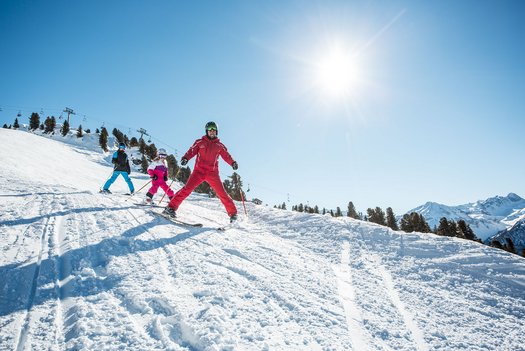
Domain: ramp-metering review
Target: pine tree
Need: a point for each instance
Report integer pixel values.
(300, 208)
(173, 167)
(34, 121)
(405, 224)
(283, 206)
(133, 142)
(338, 212)
(88, 131)
(414, 222)
(50, 124)
(5, 126)
(466, 230)
(142, 146)
(422, 225)
(65, 128)
(234, 187)
(324, 211)
(391, 219)
(144, 165)
(496, 244)
(16, 125)
(376, 215)
(351, 212)
(41, 126)
(118, 135)
(151, 151)
(184, 174)
(103, 139)
(454, 232)
(510, 246)
(443, 227)
(204, 188)
(80, 133)
(97, 131)
(316, 209)
(461, 227)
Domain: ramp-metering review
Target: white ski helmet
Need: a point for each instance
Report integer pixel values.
(162, 153)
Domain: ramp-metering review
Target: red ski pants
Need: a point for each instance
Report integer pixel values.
(212, 178)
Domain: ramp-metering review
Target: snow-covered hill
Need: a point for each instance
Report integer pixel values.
(485, 217)
(84, 271)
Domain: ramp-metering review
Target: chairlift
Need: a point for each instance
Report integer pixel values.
(84, 119)
(60, 117)
(19, 114)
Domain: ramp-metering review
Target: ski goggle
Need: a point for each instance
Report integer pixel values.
(122, 147)
(163, 155)
(211, 128)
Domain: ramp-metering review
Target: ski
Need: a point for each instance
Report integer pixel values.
(177, 221)
(148, 205)
(227, 226)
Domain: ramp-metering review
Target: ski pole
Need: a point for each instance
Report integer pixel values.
(138, 190)
(243, 204)
(169, 186)
(175, 177)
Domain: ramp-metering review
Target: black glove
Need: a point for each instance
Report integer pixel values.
(184, 161)
(154, 177)
(235, 165)
(165, 177)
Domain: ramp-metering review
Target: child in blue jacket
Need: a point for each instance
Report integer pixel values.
(121, 167)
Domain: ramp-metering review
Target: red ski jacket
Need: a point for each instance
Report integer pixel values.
(208, 151)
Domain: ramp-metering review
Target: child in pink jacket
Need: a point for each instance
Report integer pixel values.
(158, 172)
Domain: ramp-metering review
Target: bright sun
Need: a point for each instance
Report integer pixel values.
(336, 74)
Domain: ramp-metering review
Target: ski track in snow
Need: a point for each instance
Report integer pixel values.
(347, 295)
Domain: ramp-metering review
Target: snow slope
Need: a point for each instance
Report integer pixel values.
(84, 271)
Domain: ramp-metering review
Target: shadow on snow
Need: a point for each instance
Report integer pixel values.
(17, 281)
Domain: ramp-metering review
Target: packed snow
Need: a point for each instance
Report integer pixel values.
(84, 271)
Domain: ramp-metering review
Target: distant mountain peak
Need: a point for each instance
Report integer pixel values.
(514, 197)
(486, 217)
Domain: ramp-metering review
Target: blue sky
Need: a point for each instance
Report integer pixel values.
(430, 108)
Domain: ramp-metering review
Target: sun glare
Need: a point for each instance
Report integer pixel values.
(336, 74)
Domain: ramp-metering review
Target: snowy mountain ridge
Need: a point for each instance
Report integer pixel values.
(84, 271)
(516, 233)
(485, 217)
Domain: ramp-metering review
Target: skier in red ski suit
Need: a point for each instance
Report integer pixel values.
(208, 149)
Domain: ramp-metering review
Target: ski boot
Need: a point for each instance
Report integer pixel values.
(233, 218)
(169, 212)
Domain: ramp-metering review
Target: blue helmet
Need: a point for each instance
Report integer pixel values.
(121, 146)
